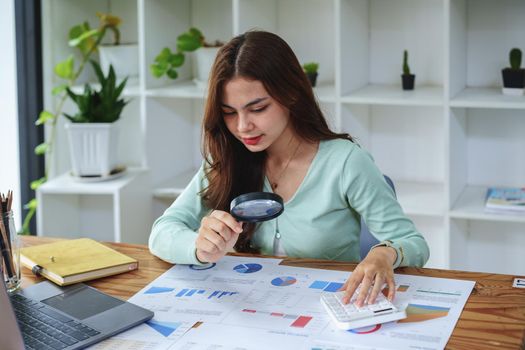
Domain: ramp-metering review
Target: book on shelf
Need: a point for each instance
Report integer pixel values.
(71, 261)
(505, 199)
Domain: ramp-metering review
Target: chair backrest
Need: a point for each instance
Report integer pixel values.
(367, 240)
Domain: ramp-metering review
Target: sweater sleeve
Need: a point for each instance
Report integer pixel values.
(173, 234)
(372, 198)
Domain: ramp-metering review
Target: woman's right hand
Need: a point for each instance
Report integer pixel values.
(218, 234)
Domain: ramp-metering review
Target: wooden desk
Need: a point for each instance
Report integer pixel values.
(493, 318)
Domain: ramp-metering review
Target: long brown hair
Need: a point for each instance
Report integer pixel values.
(231, 169)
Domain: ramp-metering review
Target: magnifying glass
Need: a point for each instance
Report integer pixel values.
(256, 206)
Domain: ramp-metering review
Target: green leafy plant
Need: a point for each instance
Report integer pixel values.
(86, 40)
(515, 58)
(167, 61)
(83, 37)
(103, 106)
(311, 67)
(406, 68)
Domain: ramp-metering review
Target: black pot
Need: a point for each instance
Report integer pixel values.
(513, 78)
(312, 77)
(407, 81)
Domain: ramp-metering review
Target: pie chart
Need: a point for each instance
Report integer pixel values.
(247, 268)
(283, 281)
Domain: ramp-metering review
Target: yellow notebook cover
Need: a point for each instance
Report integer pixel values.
(71, 261)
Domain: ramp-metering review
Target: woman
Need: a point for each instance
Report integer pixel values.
(264, 131)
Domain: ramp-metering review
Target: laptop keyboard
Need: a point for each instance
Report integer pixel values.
(43, 328)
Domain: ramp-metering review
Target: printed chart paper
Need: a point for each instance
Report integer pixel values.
(433, 307)
(191, 293)
(279, 307)
(151, 335)
(184, 295)
(222, 337)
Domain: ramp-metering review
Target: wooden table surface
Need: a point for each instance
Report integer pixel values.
(493, 318)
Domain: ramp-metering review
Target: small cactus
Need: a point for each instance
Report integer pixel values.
(406, 68)
(311, 67)
(515, 58)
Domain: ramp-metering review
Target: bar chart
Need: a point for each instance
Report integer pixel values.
(189, 292)
(297, 321)
(326, 286)
(214, 294)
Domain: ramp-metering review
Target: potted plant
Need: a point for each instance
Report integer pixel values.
(93, 131)
(407, 79)
(87, 41)
(167, 62)
(513, 76)
(311, 69)
(123, 57)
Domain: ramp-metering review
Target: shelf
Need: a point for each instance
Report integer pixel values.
(471, 205)
(132, 88)
(441, 133)
(65, 184)
(185, 89)
(325, 92)
(395, 95)
(416, 198)
(421, 198)
(188, 89)
(174, 187)
(486, 98)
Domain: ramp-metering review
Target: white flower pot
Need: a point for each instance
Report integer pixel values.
(203, 59)
(93, 148)
(512, 91)
(124, 58)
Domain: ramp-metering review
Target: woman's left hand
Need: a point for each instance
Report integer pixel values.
(371, 273)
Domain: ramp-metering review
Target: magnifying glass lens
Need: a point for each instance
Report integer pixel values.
(256, 206)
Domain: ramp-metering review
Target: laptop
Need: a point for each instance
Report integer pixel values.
(45, 316)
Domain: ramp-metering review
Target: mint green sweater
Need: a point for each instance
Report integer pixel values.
(322, 219)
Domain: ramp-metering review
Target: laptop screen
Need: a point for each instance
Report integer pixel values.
(9, 331)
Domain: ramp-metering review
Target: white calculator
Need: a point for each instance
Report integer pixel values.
(349, 316)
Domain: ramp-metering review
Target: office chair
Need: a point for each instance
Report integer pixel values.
(367, 240)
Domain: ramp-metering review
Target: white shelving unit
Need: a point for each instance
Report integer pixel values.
(107, 211)
(443, 144)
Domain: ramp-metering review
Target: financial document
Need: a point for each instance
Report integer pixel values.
(255, 303)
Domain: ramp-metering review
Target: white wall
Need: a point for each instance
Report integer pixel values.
(9, 157)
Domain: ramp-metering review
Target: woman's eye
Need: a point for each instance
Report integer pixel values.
(228, 112)
(260, 109)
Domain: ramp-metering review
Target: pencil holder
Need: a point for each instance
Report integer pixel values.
(10, 245)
